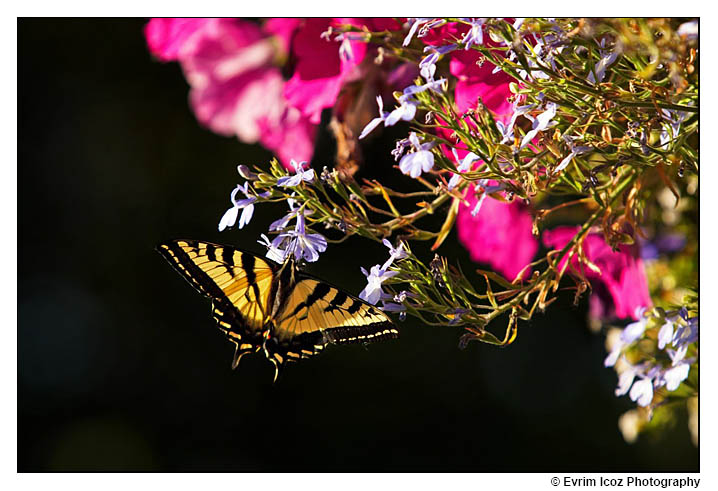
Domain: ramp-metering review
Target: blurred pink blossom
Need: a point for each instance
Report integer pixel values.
(320, 70)
(499, 235)
(622, 271)
(235, 87)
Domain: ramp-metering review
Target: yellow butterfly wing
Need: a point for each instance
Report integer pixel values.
(239, 284)
(315, 314)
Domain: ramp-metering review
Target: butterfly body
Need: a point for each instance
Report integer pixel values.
(278, 309)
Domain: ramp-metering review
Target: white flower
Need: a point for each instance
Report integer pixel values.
(296, 179)
(372, 292)
(246, 205)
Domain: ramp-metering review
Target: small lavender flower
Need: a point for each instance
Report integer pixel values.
(421, 160)
(465, 165)
(301, 244)
(273, 251)
(427, 66)
(674, 120)
(246, 205)
(372, 292)
(625, 380)
(642, 392)
(541, 123)
(246, 173)
(397, 253)
(406, 109)
(475, 34)
(484, 184)
(607, 59)
(415, 23)
(376, 121)
(630, 333)
(575, 150)
(296, 179)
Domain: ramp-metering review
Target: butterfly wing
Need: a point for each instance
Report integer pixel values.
(239, 284)
(315, 314)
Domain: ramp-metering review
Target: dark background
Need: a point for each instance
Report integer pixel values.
(120, 367)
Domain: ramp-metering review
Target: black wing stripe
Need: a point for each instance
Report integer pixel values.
(355, 306)
(320, 291)
(211, 251)
(228, 258)
(337, 301)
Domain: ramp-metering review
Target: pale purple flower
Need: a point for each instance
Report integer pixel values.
(376, 121)
(475, 34)
(301, 244)
(625, 380)
(686, 334)
(642, 392)
(373, 292)
(397, 253)
(464, 166)
(404, 112)
(273, 251)
(406, 109)
(541, 123)
(665, 335)
(426, 23)
(246, 205)
(415, 23)
(427, 65)
(296, 179)
(575, 150)
(246, 173)
(630, 333)
(421, 160)
(607, 59)
(674, 120)
(488, 189)
(674, 376)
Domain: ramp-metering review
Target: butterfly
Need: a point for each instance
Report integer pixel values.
(276, 308)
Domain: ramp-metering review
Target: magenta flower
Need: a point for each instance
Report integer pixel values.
(622, 272)
(474, 82)
(235, 87)
(169, 39)
(499, 235)
(320, 71)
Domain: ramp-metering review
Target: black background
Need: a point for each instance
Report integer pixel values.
(120, 367)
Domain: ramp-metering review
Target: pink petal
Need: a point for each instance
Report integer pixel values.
(622, 271)
(170, 38)
(499, 235)
(477, 81)
(320, 71)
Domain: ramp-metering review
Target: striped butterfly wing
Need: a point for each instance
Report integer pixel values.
(239, 284)
(315, 314)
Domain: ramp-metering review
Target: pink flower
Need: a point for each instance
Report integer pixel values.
(622, 271)
(320, 71)
(500, 234)
(235, 87)
(474, 82)
(169, 39)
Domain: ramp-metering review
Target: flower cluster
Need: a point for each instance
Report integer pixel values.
(563, 152)
(655, 357)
